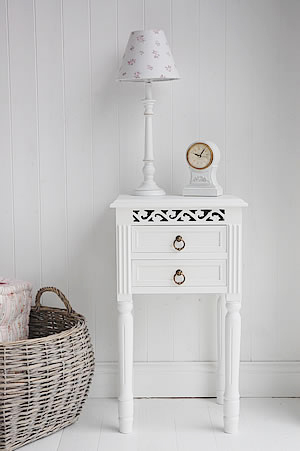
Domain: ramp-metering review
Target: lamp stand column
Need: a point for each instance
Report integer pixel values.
(148, 187)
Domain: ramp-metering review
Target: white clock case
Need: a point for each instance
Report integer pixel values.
(204, 182)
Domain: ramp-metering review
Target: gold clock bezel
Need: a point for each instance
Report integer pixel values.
(211, 156)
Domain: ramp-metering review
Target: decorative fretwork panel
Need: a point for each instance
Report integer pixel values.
(175, 216)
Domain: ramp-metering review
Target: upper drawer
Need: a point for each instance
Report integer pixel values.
(194, 238)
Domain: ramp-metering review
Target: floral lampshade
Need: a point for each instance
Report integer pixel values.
(148, 58)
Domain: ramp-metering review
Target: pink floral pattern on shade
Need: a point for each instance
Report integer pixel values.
(147, 57)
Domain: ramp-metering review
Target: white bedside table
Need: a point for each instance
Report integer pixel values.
(175, 244)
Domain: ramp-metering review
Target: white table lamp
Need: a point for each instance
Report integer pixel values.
(148, 58)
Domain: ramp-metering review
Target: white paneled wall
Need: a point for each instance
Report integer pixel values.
(71, 139)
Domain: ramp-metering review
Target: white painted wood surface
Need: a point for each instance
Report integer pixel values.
(125, 329)
(209, 239)
(148, 186)
(220, 381)
(72, 138)
(154, 272)
(180, 425)
(161, 273)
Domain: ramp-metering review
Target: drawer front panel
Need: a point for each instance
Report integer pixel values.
(197, 239)
(197, 273)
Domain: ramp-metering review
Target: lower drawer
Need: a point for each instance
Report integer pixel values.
(172, 273)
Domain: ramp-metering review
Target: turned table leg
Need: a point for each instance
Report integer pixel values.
(125, 326)
(232, 364)
(220, 384)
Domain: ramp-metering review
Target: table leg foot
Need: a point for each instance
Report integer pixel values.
(231, 425)
(126, 416)
(126, 425)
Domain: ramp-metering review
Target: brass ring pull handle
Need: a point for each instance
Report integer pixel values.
(179, 239)
(179, 273)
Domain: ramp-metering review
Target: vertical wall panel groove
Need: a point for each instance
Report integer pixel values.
(212, 72)
(7, 254)
(131, 126)
(78, 149)
(92, 164)
(117, 93)
(172, 141)
(37, 138)
(65, 147)
(11, 142)
(106, 150)
(158, 15)
(50, 124)
(243, 69)
(25, 150)
(198, 98)
(226, 99)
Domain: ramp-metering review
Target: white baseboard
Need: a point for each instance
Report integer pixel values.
(197, 379)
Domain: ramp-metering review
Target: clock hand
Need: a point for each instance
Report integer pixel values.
(202, 151)
(197, 155)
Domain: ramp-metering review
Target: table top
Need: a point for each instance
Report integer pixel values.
(127, 201)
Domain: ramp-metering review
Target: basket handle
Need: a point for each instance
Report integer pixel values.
(59, 294)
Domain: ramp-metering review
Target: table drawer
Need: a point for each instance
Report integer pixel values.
(196, 239)
(195, 273)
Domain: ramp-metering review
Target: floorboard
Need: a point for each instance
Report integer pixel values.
(49, 443)
(85, 433)
(180, 425)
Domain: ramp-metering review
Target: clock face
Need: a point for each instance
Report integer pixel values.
(199, 156)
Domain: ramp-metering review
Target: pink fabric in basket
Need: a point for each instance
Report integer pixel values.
(15, 303)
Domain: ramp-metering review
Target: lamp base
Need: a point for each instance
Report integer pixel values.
(149, 188)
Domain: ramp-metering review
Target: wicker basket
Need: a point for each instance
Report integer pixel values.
(44, 381)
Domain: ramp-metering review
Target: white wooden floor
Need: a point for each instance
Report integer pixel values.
(181, 425)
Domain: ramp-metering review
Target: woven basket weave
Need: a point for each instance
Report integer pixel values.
(44, 381)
